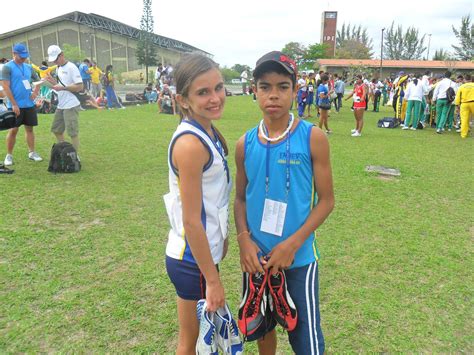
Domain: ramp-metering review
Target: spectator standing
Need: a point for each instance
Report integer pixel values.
(302, 95)
(442, 104)
(16, 82)
(96, 73)
(243, 79)
(109, 81)
(85, 73)
(324, 103)
(414, 98)
(66, 117)
(465, 104)
(158, 73)
(359, 95)
(311, 86)
(339, 87)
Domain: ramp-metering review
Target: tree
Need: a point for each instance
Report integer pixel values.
(73, 53)
(441, 54)
(352, 49)
(312, 53)
(305, 57)
(229, 73)
(353, 34)
(146, 50)
(295, 51)
(239, 68)
(406, 46)
(465, 35)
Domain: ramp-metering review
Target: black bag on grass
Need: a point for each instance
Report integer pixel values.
(7, 120)
(388, 122)
(64, 159)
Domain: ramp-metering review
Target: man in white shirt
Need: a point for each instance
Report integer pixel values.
(66, 117)
(442, 104)
(243, 79)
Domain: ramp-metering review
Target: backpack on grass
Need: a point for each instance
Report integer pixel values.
(64, 159)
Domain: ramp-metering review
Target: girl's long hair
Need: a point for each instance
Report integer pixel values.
(187, 70)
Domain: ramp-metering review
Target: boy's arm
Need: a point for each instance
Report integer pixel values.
(282, 256)
(248, 249)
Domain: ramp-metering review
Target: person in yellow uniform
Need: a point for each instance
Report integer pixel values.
(95, 73)
(43, 71)
(464, 102)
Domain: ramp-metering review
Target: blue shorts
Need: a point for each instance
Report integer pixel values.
(187, 279)
(307, 338)
(310, 98)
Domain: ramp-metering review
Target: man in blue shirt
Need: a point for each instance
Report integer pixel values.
(16, 79)
(339, 87)
(85, 74)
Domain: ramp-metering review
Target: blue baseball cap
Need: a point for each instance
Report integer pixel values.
(21, 50)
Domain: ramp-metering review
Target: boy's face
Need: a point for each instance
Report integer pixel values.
(275, 94)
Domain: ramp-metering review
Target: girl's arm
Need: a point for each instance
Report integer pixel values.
(190, 156)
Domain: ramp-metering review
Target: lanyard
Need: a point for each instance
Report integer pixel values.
(217, 144)
(287, 165)
(21, 68)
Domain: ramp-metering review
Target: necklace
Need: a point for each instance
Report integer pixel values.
(262, 130)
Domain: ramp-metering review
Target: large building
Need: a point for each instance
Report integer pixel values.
(103, 40)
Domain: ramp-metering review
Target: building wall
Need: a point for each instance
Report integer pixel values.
(100, 46)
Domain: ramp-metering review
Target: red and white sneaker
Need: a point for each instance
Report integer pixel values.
(280, 302)
(254, 302)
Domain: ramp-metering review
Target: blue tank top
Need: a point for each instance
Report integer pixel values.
(301, 197)
(20, 93)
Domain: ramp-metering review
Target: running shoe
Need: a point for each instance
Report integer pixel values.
(280, 302)
(206, 343)
(228, 338)
(254, 302)
(8, 160)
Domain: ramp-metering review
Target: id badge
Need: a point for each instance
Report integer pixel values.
(27, 84)
(273, 218)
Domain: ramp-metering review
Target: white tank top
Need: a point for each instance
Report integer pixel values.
(216, 187)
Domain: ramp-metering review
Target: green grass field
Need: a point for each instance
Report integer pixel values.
(82, 255)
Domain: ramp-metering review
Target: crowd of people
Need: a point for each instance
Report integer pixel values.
(418, 100)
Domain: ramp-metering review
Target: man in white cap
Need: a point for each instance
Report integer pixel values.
(16, 81)
(66, 117)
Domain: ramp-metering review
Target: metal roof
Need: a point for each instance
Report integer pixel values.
(106, 24)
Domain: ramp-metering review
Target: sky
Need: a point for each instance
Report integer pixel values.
(239, 32)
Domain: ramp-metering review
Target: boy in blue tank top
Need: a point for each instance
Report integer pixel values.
(283, 194)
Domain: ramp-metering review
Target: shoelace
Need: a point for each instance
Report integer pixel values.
(253, 303)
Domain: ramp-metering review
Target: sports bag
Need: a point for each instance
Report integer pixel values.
(7, 120)
(64, 159)
(388, 122)
(450, 94)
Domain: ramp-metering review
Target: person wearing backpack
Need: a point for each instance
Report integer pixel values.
(66, 117)
(443, 105)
